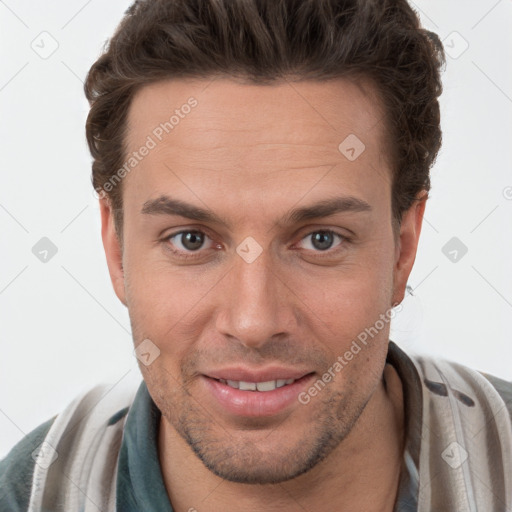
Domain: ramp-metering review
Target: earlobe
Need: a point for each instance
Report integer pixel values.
(407, 245)
(112, 247)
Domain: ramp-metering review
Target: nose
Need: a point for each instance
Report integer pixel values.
(257, 305)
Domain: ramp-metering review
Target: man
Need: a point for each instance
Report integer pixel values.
(262, 169)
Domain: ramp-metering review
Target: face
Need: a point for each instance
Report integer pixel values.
(256, 251)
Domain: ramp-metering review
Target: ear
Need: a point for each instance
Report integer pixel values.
(407, 244)
(113, 250)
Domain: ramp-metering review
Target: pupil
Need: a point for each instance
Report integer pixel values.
(322, 240)
(192, 240)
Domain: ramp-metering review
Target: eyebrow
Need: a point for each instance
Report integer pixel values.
(165, 205)
(328, 207)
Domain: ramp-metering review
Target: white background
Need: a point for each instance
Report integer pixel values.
(63, 329)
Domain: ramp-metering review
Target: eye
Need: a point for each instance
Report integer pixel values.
(321, 240)
(188, 241)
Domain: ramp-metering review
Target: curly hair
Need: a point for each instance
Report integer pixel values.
(263, 41)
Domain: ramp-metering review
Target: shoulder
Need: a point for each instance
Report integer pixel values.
(97, 410)
(17, 469)
(504, 389)
(469, 386)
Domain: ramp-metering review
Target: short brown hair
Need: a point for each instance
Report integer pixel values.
(265, 40)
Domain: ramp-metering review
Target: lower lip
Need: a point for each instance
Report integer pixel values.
(256, 403)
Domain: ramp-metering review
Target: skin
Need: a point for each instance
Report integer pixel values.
(251, 154)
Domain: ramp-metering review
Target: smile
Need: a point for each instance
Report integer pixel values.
(269, 385)
(256, 397)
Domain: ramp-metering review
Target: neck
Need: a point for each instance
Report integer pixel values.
(362, 473)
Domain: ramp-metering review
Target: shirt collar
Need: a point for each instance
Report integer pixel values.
(407, 497)
(140, 484)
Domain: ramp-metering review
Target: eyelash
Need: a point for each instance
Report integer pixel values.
(187, 255)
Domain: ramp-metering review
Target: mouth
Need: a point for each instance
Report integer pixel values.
(268, 385)
(255, 397)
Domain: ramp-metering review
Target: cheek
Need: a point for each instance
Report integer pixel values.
(166, 305)
(152, 286)
(355, 293)
(348, 305)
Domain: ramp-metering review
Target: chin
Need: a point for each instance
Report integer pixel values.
(274, 458)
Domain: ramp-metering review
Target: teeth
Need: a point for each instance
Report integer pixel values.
(266, 386)
(269, 385)
(247, 386)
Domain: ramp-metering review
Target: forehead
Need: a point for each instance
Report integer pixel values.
(337, 106)
(220, 131)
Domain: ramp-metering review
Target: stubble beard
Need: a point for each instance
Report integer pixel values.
(239, 455)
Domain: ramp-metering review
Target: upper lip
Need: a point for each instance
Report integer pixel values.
(261, 375)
